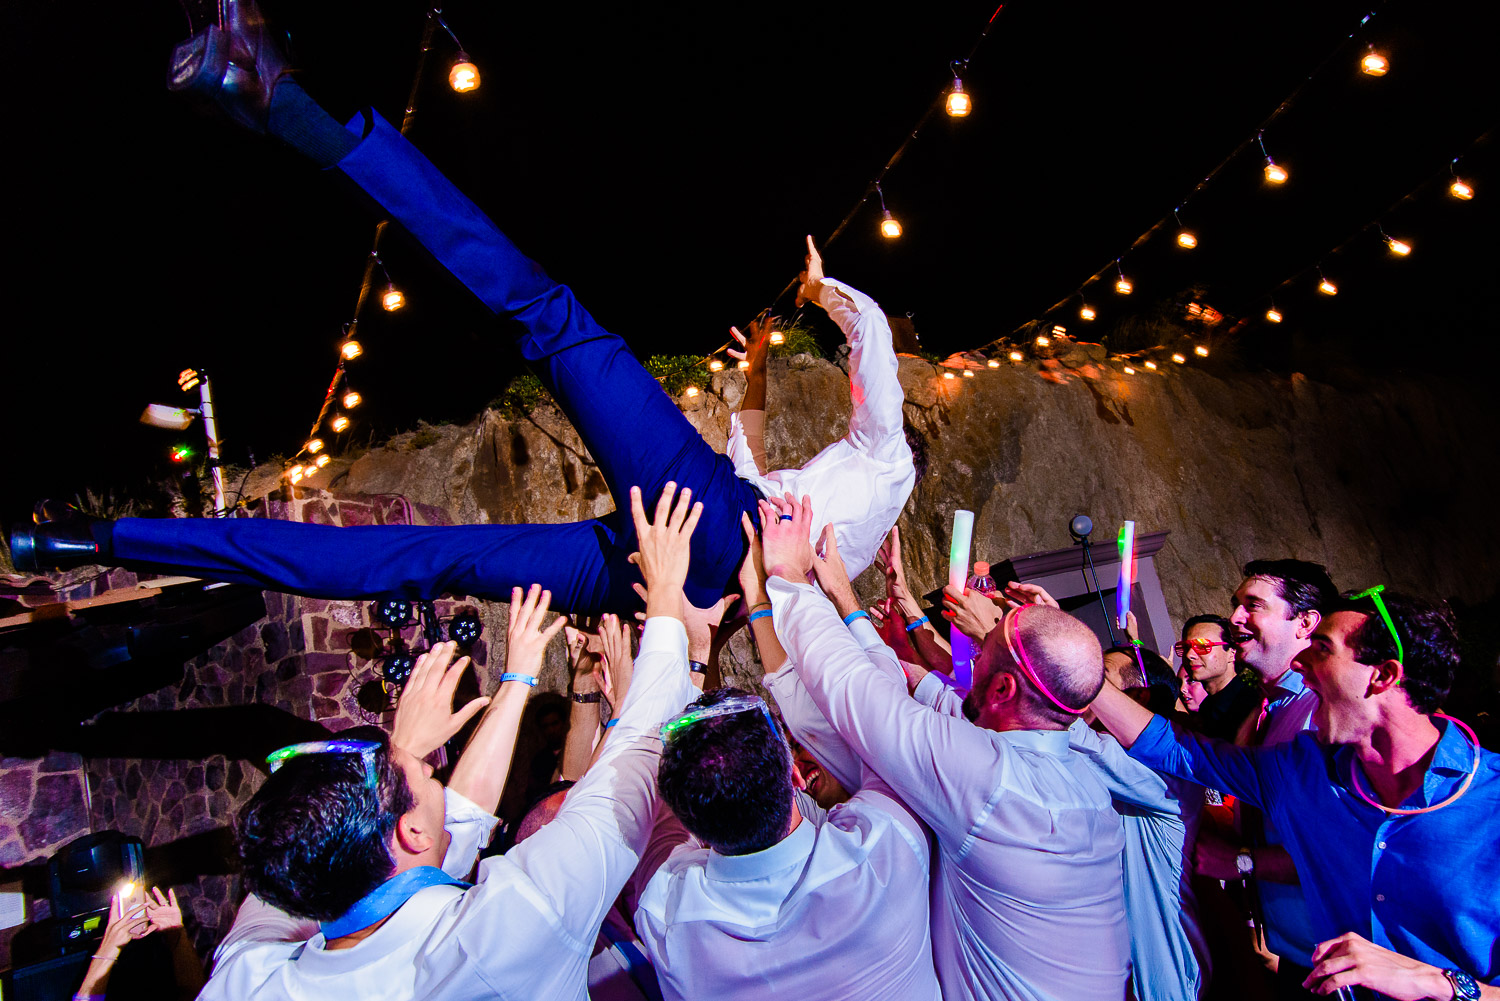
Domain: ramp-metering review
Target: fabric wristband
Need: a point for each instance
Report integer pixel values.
(530, 679)
(858, 613)
(764, 613)
(611, 722)
(918, 624)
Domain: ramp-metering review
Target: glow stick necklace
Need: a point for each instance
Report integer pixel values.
(1354, 769)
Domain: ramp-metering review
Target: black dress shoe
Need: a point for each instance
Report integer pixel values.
(232, 65)
(63, 537)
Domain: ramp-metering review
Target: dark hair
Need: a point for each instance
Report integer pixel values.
(1429, 640)
(1149, 669)
(315, 838)
(728, 778)
(1226, 628)
(1303, 585)
(918, 445)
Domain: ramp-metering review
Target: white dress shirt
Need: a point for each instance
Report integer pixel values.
(527, 928)
(1027, 899)
(859, 483)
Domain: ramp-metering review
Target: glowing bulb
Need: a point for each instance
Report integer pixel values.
(1151, 365)
(314, 446)
(968, 373)
(1460, 190)
(1058, 330)
(889, 227)
(1327, 287)
(126, 889)
(1275, 173)
(743, 365)
(1017, 356)
(352, 400)
(187, 379)
(1179, 358)
(296, 474)
(321, 460)
(1201, 351)
(1398, 247)
(948, 375)
(340, 423)
(463, 76)
(992, 363)
(1273, 315)
(351, 350)
(715, 365)
(392, 299)
(778, 337)
(1124, 287)
(690, 392)
(1187, 240)
(1375, 64)
(1042, 341)
(1129, 370)
(959, 103)
(1087, 313)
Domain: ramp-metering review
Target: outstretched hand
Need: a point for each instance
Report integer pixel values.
(1014, 595)
(618, 664)
(425, 719)
(832, 574)
(973, 612)
(811, 276)
(163, 913)
(525, 639)
(665, 547)
(757, 345)
(786, 527)
(888, 559)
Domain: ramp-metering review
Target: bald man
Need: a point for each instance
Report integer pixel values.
(1027, 899)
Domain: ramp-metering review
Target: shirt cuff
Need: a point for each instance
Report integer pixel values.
(469, 828)
(928, 690)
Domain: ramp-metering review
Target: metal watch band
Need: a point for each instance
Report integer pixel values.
(585, 696)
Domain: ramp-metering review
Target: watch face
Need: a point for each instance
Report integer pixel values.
(1464, 986)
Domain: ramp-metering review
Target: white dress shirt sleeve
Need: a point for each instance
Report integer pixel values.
(935, 695)
(810, 726)
(739, 450)
(876, 426)
(579, 862)
(469, 829)
(945, 769)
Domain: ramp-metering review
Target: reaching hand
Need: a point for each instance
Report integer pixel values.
(425, 719)
(127, 922)
(753, 569)
(833, 576)
(757, 345)
(618, 666)
(891, 625)
(163, 913)
(785, 527)
(811, 276)
(973, 612)
(1015, 595)
(665, 547)
(525, 639)
(1353, 961)
(1132, 628)
(888, 558)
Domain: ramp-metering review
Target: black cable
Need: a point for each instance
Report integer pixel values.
(1108, 623)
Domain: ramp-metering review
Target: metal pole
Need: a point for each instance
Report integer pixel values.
(211, 431)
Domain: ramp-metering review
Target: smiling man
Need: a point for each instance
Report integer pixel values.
(1387, 808)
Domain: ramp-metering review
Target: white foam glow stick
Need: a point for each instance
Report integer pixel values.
(1127, 572)
(958, 576)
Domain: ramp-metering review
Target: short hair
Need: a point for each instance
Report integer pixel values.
(315, 838)
(541, 812)
(1303, 585)
(1430, 651)
(1226, 628)
(1069, 655)
(728, 778)
(1150, 668)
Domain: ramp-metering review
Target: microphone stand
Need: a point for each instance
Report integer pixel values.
(1083, 540)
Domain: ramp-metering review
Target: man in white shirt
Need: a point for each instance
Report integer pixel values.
(1027, 901)
(350, 837)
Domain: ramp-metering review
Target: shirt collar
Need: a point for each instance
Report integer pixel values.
(1455, 752)
(788, 852)
(1054, 742)
(1451, 764)
(1288, 686)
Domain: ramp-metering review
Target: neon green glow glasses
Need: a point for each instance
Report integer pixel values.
(364, 748)
(1373, 594)
(729, 707)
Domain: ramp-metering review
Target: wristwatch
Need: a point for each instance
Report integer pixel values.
(585, 696)
(1464, 986)
(1244, 863)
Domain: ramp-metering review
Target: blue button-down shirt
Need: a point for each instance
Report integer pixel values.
(1424, 885)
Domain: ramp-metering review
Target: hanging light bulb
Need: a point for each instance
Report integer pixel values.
(948, 375)
(968, 373)
(743, 364)
(296, 474)
(1201, 351)
(352, 400)
(1179, 358)
(959, 104)
(1043, 341)
(1460, 189)
(992, 363)
(1275, 173)
(690, 392)
(1398, 247)
(1087, 312)
(392, 298)
(1327, 287)
(1123, 286)
(1058, 330)
(1016, 356)
(1374, 64)
(313, 446)
(715, 365)
(1187, 240)
(463, 75)
(1273, 315)
(351, 350)
(1151, 365)
(778, 337)
(889, 227)
(1129, 370)
(340, 424)
(322, 460)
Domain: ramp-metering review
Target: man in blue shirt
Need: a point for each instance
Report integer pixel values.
(1387, 809)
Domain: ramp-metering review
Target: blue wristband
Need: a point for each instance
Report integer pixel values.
(917, 624)
(857, 614)
(611, 722)
(764, 613)
(530, 679)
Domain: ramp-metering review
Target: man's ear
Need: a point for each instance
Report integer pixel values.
(1387, 675)
(1308, 621)
(410, 836)
(1003, 689)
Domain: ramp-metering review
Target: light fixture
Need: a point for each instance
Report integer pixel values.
(322, 460)
(1186, 240)
(1129, 370)
(1201, 351)
(351, 350)
(296, 474)
(314, 446)
(1087, 312)
(1398, 247)
(1460, 189)
(968, 373)
(1017, 356)
(352, 400)
(959, 104)
(1275, 173)
(1058, 330)
(187, 379)
(340, 424)
(1043, 341)
(690, 392)
(949, 375)
(743, 364)
(181, 453)
(464, 628)
(1151, 365)
(1327, 287)
(392, 298)
(1273, 315)
(1374, 64)
(889, 227)
(1123, 286)
(992, 363)
(778, 337)
(715, 365)
(1179, 357)
(463, 75)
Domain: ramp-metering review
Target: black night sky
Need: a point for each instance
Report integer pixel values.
(665, 161)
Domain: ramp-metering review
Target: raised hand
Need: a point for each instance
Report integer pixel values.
(1014, 595)
(757, 346)
(525, 639)
(833, 576)
(811, 276)
(973, 612)
(786, 527)
(425, 719)
(888, 558)
(163, 913)
(665, 547)
(617, 665)
(753, 569)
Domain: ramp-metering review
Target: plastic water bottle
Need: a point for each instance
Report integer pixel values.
(964, 648)
(981, 580)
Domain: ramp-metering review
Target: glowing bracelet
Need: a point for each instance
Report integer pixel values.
(530, 679)
(917, 624)
(764, 613)
(859, 613)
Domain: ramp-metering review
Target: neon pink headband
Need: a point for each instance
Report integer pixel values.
(1018, 654)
